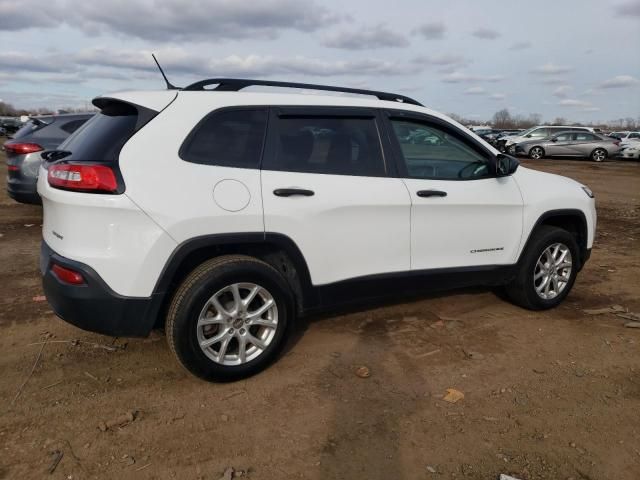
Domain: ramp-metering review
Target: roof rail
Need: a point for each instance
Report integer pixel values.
(236, 84)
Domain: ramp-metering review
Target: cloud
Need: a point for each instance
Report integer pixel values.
(459, 77)
(431, 30)
(552, 69)
(445, 61)
(178, 61)
(570, 102)
(25, 62)
(497, 96)
(629, 8)
(553, 81)
(520, 46)
(621, 81)
(366, 38)
(475, 91)
(562, 91)
(485, 33)
(171, 20)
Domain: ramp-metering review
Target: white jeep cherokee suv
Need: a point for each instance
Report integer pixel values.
(225, 215)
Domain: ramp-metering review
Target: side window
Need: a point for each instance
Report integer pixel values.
(564, 137)
(231, 138)
(580, 136)
(431, 152)
(329, 145)
(634, 135)
(540, 133)
(72, 126)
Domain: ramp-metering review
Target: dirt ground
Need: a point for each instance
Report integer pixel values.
(548, 395)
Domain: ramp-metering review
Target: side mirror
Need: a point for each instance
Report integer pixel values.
(554, 139)
(506, 165)
(528, 136)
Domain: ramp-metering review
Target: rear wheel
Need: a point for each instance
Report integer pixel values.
(536, 153)
(230, 318)
(599, 155)
(546, 271)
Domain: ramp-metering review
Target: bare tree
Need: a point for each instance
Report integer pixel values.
(502, 119)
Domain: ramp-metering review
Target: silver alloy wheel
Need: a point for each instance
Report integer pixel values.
(536, 153)
(599, 155)
(552, 271)
(237, 324)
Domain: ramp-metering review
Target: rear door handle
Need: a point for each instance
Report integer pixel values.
(431, 193)
(288, 192)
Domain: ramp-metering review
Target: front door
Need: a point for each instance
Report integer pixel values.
(461, 214)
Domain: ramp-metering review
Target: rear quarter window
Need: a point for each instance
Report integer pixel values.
(231, 138)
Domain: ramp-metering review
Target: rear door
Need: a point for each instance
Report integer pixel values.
(326, 185)
(583, 143)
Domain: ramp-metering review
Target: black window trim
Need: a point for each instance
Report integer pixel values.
(427, 119)
(217, 111)
(311, 111)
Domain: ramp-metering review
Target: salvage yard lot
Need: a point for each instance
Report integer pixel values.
(548, 395)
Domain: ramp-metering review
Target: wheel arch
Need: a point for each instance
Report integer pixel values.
(572, 220)
(278, 250)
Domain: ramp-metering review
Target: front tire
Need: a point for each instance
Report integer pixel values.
(230, 318)
(599, 155)
(536, 153)
(547, 269)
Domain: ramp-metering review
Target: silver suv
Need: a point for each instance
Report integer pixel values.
(542, 132)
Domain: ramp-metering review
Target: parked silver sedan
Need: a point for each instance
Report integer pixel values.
(571, 144)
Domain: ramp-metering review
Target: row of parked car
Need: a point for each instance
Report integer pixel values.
(563, 141)
(25, 146)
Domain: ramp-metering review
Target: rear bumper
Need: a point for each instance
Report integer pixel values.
(94, 306)
(23, 192)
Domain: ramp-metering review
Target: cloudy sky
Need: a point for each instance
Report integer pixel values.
(578, 59)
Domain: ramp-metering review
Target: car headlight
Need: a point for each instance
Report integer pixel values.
(588, 191)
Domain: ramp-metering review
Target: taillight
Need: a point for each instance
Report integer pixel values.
(67, 275)
(83, 177)
(13, 168)
(22, 148)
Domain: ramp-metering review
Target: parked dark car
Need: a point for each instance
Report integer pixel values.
(10, 125)
(25, 148)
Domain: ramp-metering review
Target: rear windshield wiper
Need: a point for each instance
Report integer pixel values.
(54, 155)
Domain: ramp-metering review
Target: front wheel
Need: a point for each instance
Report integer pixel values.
(599, 155)
(536, 153)
(547, 269)
(229, 318)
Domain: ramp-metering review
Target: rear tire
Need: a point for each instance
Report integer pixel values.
(599, 155)
(219, 300)
(528, 288)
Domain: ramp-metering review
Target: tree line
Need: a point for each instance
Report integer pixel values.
(503, 119)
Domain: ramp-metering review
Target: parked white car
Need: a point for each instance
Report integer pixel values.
(225, 216)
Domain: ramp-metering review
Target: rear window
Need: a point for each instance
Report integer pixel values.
(102, 137)
(73, 125)
(28, 128)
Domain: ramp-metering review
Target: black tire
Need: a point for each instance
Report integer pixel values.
(521, 290)
(194, 292)
(599, 155)
(536, 153)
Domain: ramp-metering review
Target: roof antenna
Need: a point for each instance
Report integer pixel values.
(169, 85)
